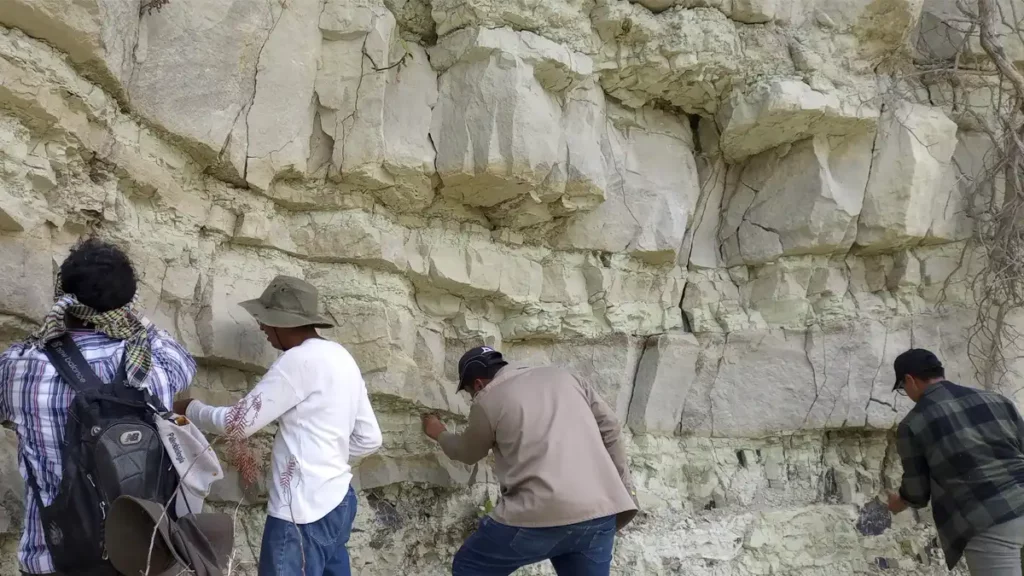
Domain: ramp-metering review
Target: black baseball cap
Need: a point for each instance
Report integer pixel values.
(914, 361)
(475, 361)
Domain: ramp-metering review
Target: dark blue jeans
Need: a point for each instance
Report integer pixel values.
(583, 549)
(322, 548)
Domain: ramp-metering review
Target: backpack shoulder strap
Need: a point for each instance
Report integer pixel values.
(65, 356)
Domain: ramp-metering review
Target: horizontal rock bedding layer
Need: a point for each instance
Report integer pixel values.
(729, 216)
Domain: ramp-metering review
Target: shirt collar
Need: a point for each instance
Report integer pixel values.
(504, 373)
(938, 385)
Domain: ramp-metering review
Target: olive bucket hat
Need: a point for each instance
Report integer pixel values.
(288, 303)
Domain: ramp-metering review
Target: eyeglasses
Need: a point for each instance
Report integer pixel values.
(901, 390)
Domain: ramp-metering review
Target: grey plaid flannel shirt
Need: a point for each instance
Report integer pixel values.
(963, 448)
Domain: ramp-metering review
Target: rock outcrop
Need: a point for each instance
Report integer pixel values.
(719, 213)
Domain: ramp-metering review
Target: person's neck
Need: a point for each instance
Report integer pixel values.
(301, 339)
(73, 323)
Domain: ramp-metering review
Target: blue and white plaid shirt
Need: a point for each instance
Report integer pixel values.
(36, 400)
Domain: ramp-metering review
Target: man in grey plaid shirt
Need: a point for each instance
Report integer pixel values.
(963, 449)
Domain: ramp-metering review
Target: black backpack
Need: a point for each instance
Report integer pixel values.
(111, 448)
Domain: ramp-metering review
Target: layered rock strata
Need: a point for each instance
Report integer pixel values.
(729, 216)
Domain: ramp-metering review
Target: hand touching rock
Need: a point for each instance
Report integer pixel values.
(432, 426)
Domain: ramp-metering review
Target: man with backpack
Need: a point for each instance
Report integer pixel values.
(82, 392)
(316, 392)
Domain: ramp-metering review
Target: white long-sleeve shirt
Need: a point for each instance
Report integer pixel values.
(318, 395)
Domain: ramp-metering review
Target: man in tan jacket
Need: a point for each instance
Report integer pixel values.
(560, 461)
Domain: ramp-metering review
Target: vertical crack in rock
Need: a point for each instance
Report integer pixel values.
(714, 381)
(283, 6)
(134, 60)
(646, 343)
(345, 125)
(808, 346)
(874, 379)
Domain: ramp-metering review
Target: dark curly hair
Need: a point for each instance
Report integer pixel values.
(99, 274)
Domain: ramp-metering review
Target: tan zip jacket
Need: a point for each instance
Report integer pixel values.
(558, 449)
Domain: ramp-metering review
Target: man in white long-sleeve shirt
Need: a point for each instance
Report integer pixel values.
(317, 393)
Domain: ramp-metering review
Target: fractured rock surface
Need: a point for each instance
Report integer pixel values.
(711, 211)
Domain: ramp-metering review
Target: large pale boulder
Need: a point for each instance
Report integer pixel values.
(375, 97)
(345, 236)
(764, 385)
(712, 301)
(782, 111)
(652, 188)
(26, 175)
(27, 266)
(909, 170)
(853, 375)
(227, 333)
(972, 183)
(195, 73)
(622, 292)
(497, 122)
(278, 129)
(759, 383)
(408, 157)
(778, 293)
(799, 199)
(667, 369)
(688, 56)
(608, 365)
(401, 363)
(98, 35)
(564, 21)
(480, 268)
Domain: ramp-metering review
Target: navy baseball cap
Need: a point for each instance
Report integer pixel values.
(914, 361)
(475, 361)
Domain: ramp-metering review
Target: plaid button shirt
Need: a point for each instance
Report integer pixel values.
(964, 449)
(36, 400)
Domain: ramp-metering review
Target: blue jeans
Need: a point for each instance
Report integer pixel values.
(583, 549)
(322, 551)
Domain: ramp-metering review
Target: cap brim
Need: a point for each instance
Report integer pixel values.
(281, 319)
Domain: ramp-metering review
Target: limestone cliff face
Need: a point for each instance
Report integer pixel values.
(730, 216)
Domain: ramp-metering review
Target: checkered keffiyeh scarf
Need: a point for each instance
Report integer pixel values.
(120, 324)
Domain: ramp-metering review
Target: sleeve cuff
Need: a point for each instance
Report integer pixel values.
(444, 439)
(192, 412)
(910, 501)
